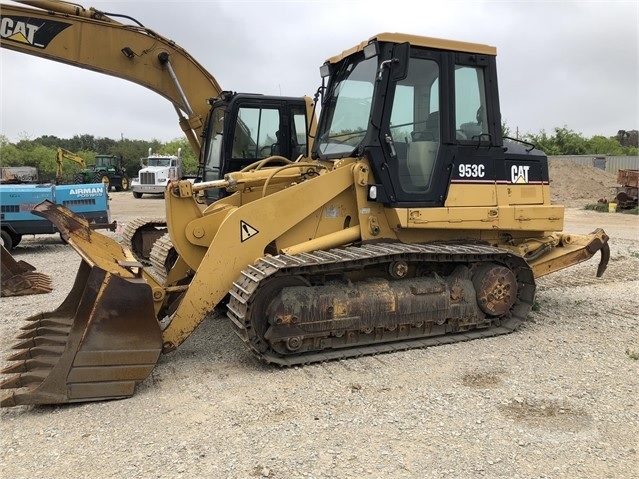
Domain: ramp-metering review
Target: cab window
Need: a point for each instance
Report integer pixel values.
(299, 134)
(256, 132)
(470, 104)
(415, 124)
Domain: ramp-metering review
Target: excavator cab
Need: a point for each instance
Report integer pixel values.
(243, 128)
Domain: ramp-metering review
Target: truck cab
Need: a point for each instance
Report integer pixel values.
(156, 173)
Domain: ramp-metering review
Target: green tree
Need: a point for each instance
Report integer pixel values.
(44, 159)
(49, 141)
(9, 154)
(604, 146)
(542, 141)
(132, 151)
(563, 142)
(570, 142)
(505, 129)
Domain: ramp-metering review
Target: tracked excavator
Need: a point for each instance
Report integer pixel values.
(412, 223)
(94, 40)
(62, 155)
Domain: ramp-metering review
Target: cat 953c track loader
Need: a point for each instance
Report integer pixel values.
(413, 223)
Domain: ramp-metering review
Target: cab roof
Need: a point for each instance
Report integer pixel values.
(429, 42)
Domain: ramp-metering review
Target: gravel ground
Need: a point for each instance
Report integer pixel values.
(556, 399)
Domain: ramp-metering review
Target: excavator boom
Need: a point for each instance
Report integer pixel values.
(62, 155)
(51, 29)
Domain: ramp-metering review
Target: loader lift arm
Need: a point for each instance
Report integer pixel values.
(52, 29)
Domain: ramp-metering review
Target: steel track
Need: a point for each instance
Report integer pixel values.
(136, 227)
(316, 264)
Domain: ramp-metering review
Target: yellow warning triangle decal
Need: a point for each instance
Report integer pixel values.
(246, 231)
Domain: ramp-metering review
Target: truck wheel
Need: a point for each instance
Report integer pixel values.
(101, 177)
(126, 183)
(78, 179)
(7, 241)
(137, 195)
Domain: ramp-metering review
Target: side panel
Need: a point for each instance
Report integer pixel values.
(89, 201)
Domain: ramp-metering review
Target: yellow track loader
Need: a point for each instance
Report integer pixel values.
(413, 223)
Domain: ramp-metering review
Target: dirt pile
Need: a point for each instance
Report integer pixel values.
(573, 184)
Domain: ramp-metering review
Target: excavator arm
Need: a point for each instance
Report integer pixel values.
(53, 29)
(66, 155)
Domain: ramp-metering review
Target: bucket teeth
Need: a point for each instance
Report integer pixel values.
(33, 353)
(46, 362)
(46, 323)
(40, 341)
(47, 331)
(26, 284)
(100, 342)
(23, 380)
(20, 278)
(35, 318)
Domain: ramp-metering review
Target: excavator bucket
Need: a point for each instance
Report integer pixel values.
(19, 278)
(101, 341)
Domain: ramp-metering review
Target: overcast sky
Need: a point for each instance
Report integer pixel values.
(561, 63)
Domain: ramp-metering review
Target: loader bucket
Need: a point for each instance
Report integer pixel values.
(19, 278)
(101, 341)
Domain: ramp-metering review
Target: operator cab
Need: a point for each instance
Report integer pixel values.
(245, 128)
(424, 111)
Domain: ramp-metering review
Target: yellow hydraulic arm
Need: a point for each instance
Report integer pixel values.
(66, 155)
(90, 39)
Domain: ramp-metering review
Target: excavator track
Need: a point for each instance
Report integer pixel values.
(163, 256)
(140, 234)
(266, 300)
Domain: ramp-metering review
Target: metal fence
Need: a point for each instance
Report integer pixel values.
(611, 164)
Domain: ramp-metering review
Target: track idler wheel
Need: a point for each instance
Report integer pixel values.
(496, 288)
(264, 322)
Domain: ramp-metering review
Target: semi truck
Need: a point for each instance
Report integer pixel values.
(16, 202)
(157, 170)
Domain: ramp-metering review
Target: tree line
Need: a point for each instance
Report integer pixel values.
(41, 153)
(564, 141)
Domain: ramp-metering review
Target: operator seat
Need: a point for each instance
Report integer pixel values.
(422, 153)
(430, 130)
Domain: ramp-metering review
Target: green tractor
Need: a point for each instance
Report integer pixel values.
(108, 169)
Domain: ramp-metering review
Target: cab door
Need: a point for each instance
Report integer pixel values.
(414, 131)
(247, 128)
